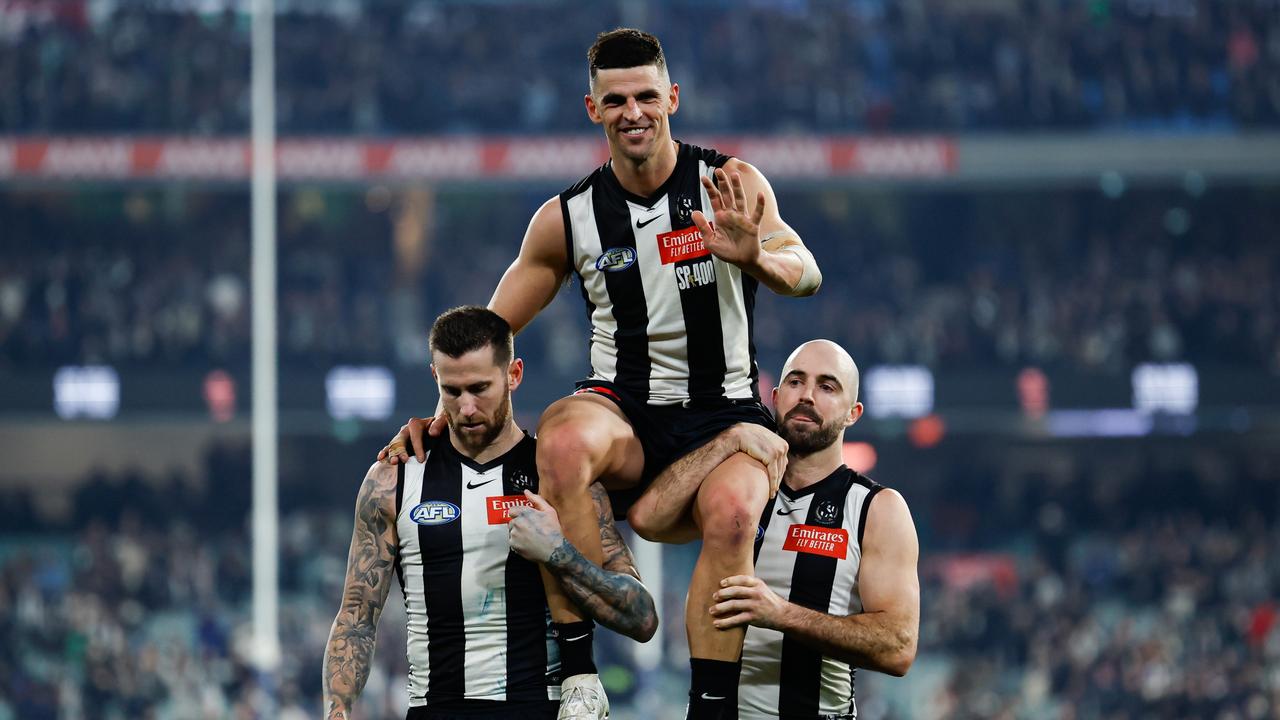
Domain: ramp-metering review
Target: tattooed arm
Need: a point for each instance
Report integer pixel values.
(374, 546)
(611, 595)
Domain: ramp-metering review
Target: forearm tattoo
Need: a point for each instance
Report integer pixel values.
(370, 566)
(616, 600)
(613, 595)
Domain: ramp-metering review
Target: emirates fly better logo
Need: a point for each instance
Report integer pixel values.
(832, 543)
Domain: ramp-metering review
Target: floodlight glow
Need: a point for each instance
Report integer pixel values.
(91, 391)
(898, 391)
(1171, 388)
(364, 393)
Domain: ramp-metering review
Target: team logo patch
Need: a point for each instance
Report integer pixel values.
(828, 542)
(684, 210)
(499, 507)
(616, 259)
(434, 512)
(826, 512)
(759, 533)
(520, 480)
(683, 244)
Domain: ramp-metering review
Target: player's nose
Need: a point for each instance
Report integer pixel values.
(632, 111)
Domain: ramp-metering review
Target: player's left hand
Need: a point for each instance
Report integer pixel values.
(736, 235)
(534, 532)
(746, 600)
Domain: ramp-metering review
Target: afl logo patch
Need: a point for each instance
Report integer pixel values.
(826, 512)
(434, 512)
(616, 259)
(759, 533)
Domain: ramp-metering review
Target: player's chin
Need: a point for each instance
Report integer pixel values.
(637, 151)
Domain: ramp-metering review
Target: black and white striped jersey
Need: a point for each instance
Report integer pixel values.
(807, 550)
(477, 617)
(669, 321)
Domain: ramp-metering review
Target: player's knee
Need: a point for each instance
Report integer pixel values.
(730, 514)
(567, 454)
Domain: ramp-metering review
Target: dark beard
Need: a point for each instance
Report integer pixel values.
(807, 442)
(492, 429)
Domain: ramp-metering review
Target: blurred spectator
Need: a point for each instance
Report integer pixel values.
(814, 65)
(1065, 279)
(1132, 592)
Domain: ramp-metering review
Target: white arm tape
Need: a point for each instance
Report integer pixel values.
(810, 275)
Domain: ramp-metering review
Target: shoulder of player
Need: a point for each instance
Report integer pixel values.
(888, 518)
(750, 173)
(379, 487)
(550, 216)
(546, 230)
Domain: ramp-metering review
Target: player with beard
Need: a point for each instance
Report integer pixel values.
(835, 585)
(465, 534)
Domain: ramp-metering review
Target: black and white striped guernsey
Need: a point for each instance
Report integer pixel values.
(478, 623)
(669, 321)
(807, 550)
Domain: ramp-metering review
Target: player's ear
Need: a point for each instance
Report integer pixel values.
(593, 111)
(855, 412)
(673, 99)
(515, 373)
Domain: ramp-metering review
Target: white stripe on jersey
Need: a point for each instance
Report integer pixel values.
(758, 690)
(733, 314)
(587, 246)
(668, 349)
(484, 596)
(415, 600)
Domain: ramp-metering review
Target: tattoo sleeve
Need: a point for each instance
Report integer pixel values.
(612, 595)
(370, 568)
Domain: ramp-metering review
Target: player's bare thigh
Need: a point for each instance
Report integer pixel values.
(587, 428)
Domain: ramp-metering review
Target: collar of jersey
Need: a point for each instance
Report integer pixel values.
(663, 189)
(797, 494)
(481, 467)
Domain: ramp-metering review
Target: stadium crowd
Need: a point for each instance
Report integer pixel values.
(808, 65)
(954, 279)
(1148, 590)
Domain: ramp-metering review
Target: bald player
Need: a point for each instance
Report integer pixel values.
(835, 585)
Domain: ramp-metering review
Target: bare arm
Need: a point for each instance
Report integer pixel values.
(662, 513)
(531, 282)
(374, 546)
(751, 233)
(612, 595)
(884, 635)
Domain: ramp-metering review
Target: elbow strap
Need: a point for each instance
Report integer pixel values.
(810, 276)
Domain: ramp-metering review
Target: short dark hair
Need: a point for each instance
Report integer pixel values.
(472, 327)
(624, 48)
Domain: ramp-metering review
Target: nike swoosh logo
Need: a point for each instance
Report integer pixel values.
(787, 512)
(576, 638)
(646, 222)
(473, 487)
(712, 697)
